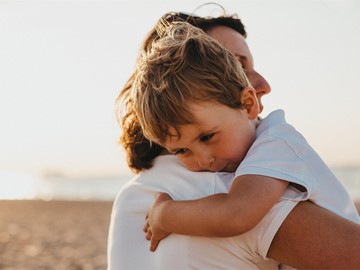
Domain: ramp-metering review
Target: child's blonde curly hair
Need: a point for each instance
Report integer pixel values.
(183, 65)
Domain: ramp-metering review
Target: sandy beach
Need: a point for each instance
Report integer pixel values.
(54, 235)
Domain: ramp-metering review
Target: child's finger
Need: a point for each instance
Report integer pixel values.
(153, 245)
(148, 235)
(146, 226)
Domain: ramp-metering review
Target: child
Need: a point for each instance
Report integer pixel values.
(192, 97)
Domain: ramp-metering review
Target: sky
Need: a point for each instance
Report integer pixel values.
(62, 64)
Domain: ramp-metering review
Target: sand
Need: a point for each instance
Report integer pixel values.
(54, 235)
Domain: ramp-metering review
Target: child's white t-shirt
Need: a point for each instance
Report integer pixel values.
(281, 152)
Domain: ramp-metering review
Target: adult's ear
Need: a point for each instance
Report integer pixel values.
(250, 102)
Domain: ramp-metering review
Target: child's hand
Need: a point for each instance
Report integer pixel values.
(152, 228)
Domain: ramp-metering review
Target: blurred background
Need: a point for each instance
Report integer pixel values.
(64, 62)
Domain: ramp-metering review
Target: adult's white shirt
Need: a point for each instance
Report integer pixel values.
(128, 248)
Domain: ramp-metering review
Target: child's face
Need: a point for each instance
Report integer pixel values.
(218, 141)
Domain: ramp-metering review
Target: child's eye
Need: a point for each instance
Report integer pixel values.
(180, 151)
(206, 138)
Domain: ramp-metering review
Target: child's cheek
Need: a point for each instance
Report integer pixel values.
(189, 163)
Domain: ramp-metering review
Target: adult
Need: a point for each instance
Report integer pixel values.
(281, 238)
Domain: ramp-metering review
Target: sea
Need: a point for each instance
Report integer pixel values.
(60, 187)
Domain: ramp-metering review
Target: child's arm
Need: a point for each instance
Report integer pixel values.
(221, 215)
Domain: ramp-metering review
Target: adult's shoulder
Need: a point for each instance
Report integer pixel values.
(170, 176)
(150, 179)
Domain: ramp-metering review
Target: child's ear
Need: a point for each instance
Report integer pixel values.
(250, 102)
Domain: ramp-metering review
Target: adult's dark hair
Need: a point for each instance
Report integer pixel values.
(140, 152)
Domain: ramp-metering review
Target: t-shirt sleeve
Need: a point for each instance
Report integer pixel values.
(259, 239)
(282, 159)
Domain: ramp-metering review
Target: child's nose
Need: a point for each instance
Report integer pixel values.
(205, 160)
